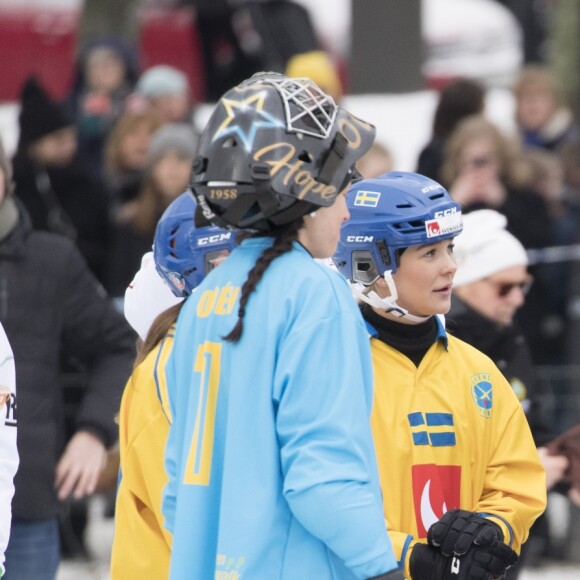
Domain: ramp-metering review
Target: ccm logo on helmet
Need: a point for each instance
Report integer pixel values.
(214, 239)
(359, 238)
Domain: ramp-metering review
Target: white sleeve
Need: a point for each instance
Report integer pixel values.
(146, 297)
(8, 450)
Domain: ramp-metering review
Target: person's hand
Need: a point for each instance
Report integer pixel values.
(458, 530)
(79, 467)
(574, 496)
(555, 466)
(478, 563)
(471, 187)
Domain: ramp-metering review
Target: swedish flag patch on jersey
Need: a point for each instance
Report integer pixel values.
(435, 429)
(367, 198)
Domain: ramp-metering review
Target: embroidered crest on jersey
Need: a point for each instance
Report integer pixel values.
(482, 393)
(435, 429)
(436, 489)
(367, 198)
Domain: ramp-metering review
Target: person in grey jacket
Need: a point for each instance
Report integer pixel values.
(53, 309)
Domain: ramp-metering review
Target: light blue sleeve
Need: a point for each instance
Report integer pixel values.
(323, 388)
(171, 451)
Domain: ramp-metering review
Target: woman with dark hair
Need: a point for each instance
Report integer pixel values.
(271, 466)
(459, 99)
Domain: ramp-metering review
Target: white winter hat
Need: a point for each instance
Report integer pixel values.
(485, 247)
(146, 297)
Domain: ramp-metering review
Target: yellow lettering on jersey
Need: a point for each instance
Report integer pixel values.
(218, 301)
(199, 458)
(227, 299)
(206, 303)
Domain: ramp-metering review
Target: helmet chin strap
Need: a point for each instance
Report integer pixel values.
(389, 303)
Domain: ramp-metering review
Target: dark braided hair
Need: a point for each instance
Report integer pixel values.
(283, 239)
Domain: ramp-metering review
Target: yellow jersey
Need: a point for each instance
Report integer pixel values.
(141, 545)
(450, 433)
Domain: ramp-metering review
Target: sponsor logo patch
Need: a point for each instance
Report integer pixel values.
(444, 225)
(436, 489)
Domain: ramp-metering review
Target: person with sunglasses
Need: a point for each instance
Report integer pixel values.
(461, 479)
(490, 286)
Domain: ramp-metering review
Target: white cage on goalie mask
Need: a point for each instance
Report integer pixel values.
(313, 111)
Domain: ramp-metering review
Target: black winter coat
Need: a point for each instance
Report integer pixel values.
(52, 307)
(58, 198)
(508, 349)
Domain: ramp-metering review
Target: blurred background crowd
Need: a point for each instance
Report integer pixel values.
(109, 96)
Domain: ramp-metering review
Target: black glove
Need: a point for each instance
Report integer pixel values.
(458, 530)
(396, 574)
(479, 563)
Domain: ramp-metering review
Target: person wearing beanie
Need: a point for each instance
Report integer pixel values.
(166, 91)
(53, 309)
(52, 182)
(104, 78)
(489, 287)
(171, 152)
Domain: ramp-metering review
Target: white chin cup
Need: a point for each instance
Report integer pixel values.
(389, 303)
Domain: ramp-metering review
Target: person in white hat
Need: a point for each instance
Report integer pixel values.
(490, 285)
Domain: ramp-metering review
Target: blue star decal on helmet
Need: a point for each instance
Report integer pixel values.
(246, 126)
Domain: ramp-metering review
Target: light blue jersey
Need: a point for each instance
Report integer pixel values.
(272, 471)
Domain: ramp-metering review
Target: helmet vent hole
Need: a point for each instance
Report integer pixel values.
(437, 196)
(229, 143)
(306, 157)
(404, 205)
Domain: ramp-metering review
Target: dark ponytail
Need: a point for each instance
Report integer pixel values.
(283, 240)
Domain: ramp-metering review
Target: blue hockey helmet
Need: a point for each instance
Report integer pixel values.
(184, 254)
(390, 213)
(274, 149)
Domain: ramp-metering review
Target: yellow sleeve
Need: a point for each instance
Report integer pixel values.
(514, 492)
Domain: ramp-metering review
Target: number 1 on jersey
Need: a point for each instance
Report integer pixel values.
(207, 363)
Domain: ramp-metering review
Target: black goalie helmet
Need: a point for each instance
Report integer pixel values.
(275, 149)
